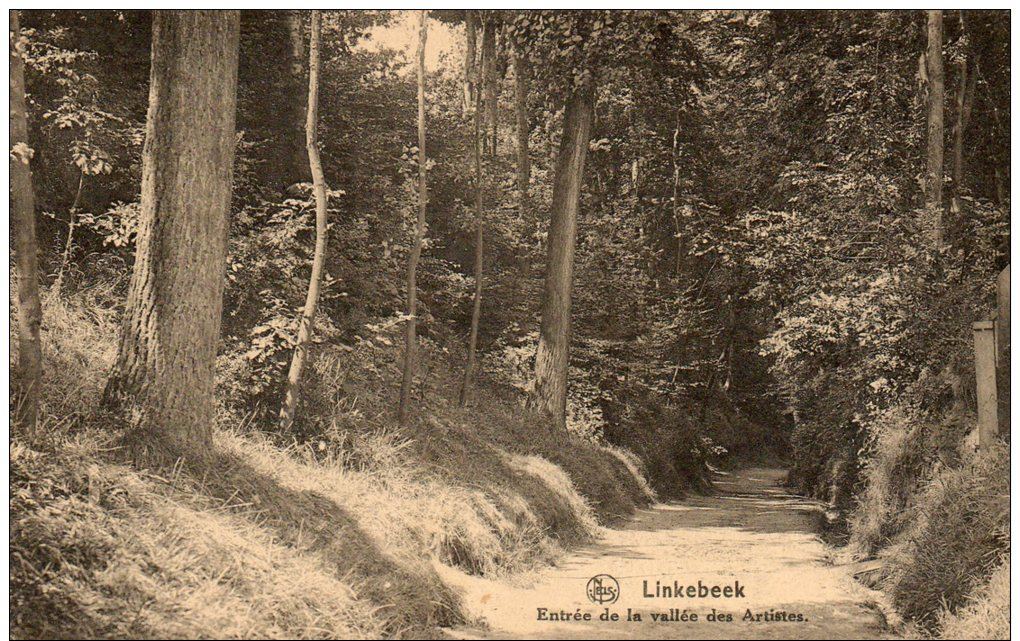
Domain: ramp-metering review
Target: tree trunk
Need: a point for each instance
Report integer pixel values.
(28, 375)
(1000, 188)
(500, 64)
(731, 322)
(522, 72)
(553, 355)
(297, 363)
(163, 379)
(411, 341)
(677, 221)
(489, 82)
(470, 53)
(710, 385)
(298, 155)
(965, 87)
(936, 107)
(476, 310)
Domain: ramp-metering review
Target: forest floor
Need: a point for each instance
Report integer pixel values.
(751, 531)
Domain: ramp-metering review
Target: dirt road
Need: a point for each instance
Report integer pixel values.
(752, 537)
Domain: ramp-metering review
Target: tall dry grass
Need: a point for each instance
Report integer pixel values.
(959, 532)
(278, 540)
(986, 615)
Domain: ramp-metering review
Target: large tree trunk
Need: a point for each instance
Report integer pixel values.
(936, 108)
(289, 410)
(298, 157)
(164, 375)
(28, 375)
(522, 71)
(553, 355)
(476, 309)
(470, 53)
(489, 82)
(411, 341)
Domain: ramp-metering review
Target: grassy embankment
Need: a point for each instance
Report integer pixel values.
(936, 512)
(301, 540)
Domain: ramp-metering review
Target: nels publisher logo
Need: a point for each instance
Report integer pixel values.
(603, 589)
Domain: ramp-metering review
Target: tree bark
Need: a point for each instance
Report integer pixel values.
(489, 83)
(470, 53)
(411, 341)
(522, 72)
(476, 309)
(28, 374)
(936, 108)
(164, 375)
(289, 410)
(553, 355)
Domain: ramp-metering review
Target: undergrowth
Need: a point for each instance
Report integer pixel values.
(959, 533)
(986, 615)
(937, 513)
(331, 532)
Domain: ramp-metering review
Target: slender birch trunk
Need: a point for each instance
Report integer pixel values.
(301, 351)
(470, 53)
(677, 218)
(411, 341)
(476, 310)
(489, 83)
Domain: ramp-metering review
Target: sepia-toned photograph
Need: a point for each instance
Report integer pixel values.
(509, 324)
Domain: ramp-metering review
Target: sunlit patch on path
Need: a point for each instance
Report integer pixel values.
(752, 533)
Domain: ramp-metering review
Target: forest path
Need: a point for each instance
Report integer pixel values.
(752, 531)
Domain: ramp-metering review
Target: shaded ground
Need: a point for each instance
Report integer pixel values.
(752, 532)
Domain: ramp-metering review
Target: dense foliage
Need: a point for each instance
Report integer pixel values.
(749, 241)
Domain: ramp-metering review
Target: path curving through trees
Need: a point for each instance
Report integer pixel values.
(752, 536)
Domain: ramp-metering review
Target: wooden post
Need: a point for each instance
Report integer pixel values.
(987, 393)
